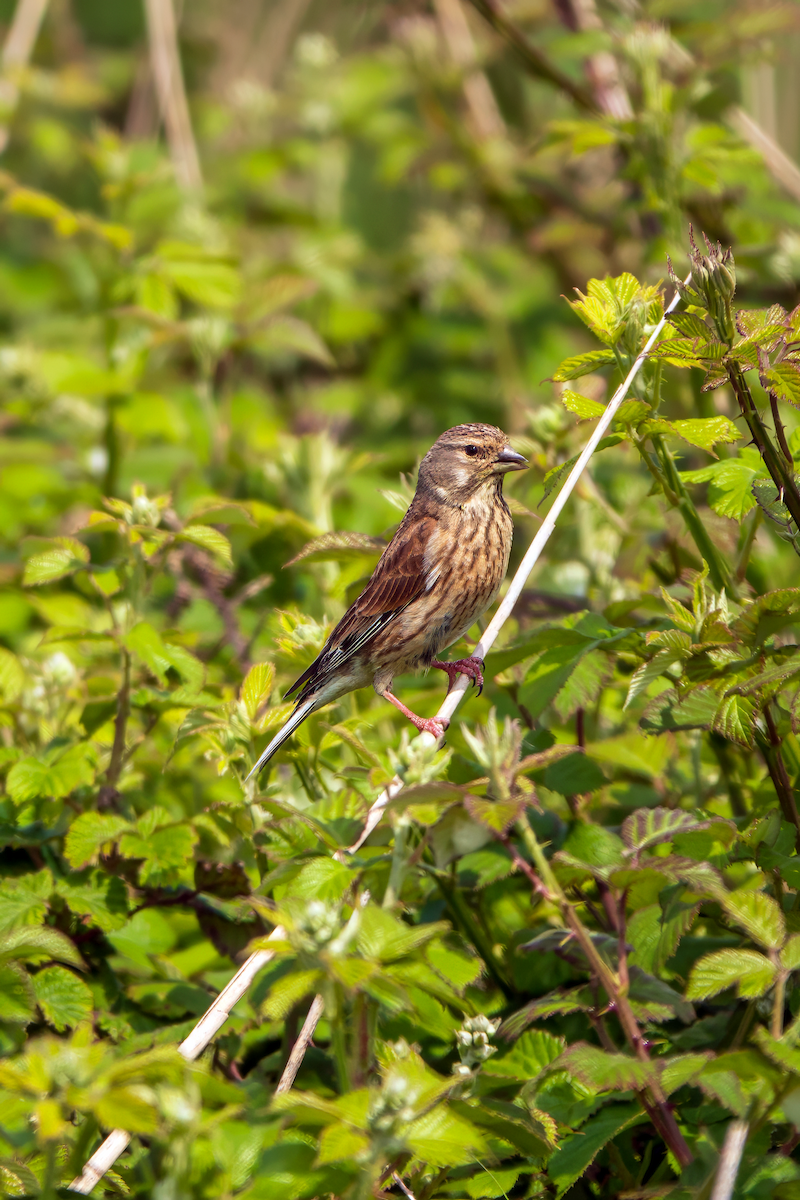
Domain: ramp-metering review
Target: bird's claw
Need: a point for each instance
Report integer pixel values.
(471, 667)
(435, 726)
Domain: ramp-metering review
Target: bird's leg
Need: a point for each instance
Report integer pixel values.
(434, 725)
(471, 667)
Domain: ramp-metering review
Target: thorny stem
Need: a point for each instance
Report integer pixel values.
(117, 760)
(298, 1050)
(780, 432)
(782, 475)
(546, 883)
(771, 752)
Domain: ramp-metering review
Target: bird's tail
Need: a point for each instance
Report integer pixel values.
(298, 716)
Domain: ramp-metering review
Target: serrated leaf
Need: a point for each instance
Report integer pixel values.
(164, 853)
(257, 687)
(17, 1002)
(582, 364)
(650, 826)
(339, 1142)
(158, 656)
(582, 406)
(553, 476)
(703, 432)
(38, 943)
(735, 719)
(63, 998)
(578, 1150)
(759, 915)
(209, 539)
(288, 991)
(63, 556)
(530, 1055)
(783, 382)
(730, 483)
(31, 778)
(12, 675)
(89, 833)
(751, 973)
(601, 1071)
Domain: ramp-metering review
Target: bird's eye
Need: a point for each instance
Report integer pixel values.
(471, 451)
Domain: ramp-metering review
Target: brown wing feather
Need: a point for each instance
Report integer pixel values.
(398, 579)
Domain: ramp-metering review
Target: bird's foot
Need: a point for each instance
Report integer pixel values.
(471, 667)
(436, 726)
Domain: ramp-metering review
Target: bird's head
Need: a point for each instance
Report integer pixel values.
(465, 459)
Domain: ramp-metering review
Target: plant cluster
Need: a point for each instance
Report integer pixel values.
(567, 958)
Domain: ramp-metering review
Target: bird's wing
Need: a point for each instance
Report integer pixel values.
(398, 579)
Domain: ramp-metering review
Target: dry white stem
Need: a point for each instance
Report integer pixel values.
(286, 1081)
(729, 1160)
(168, 76)
(191, 1048)
(782, 168)
(403, 1188)
(17, 50)
(453, 699)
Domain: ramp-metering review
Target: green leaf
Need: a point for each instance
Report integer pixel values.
(578, 1150)
(730, 483)
(23, 900)
(601, 1071)
(530, 1055)
(63, 556)
(101, 898)
(651, 826)
(339, 1142)
(288, 991)
(759, 915)
(441, 1138)
(64, 999)
(166, 853)
(12, 675)
(17, 1002)
(782, 381)
(210, 284)
(752, 974)
(582, 406)
(89, 833)
(210, 540)
(703, 432)
(31, 778)
(582, 364)
(126, 1108)
(38, 943)
(257, 687)
(158, 656)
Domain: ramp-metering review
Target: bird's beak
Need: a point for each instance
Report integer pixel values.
(510, 460)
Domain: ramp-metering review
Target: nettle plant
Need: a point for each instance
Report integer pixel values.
(567, 957)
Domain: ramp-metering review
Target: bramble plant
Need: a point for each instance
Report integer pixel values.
(567, 958)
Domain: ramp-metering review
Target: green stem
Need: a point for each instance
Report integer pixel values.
(717, 567)
(117, 760)
(399, 863)
(746, 544)
(339, 1041)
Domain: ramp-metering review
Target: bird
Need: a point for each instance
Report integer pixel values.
(440, 572)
